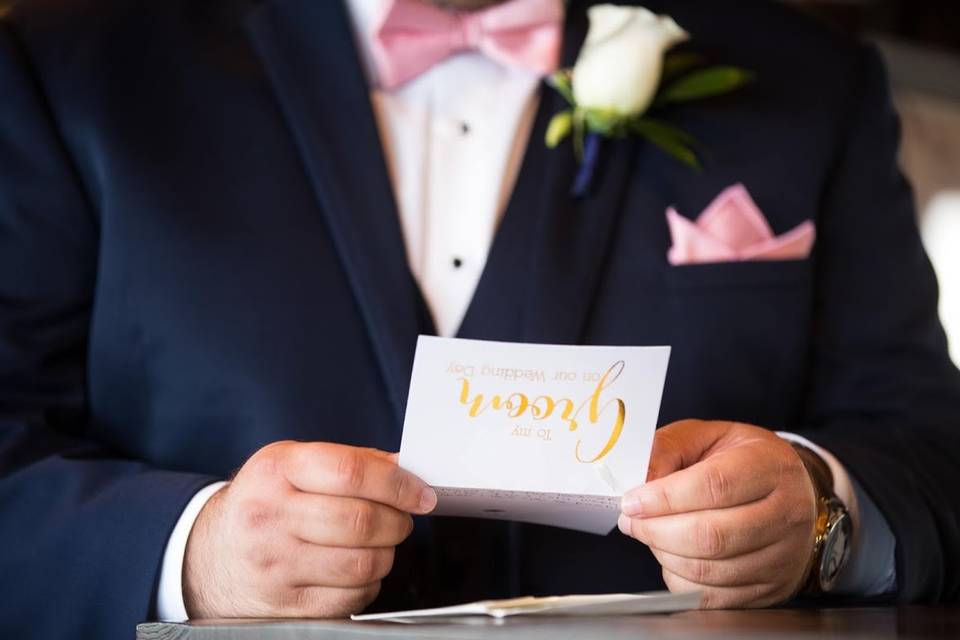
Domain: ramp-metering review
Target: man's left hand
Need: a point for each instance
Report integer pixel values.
(728, 509)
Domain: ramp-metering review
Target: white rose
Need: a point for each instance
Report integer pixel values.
(621, 63)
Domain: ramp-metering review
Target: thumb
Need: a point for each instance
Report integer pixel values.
(683, 444)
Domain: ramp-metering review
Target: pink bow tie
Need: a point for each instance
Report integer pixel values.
(413, 36)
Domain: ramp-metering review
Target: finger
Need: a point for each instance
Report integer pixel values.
(725, 533)
(340, 470)
(683, 444)
(346, 522)
(730, 478)
(750, 596)
(339, 566)
(767, 565)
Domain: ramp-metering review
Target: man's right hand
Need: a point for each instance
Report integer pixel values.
(303, 530)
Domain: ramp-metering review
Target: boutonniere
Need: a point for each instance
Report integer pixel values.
(623, 73)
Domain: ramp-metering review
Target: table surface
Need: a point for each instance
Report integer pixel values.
(783, 624)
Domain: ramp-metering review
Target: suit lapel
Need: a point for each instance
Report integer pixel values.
(547, 257)
(311, 60)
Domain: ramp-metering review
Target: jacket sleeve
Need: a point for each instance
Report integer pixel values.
(884, 396)
(82, 527)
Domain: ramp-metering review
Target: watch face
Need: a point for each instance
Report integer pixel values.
(836, 551)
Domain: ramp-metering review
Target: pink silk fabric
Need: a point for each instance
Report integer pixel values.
(733, 229)
(412, 36)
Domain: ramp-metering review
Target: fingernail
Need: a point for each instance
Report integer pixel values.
(632, 504)
(623, 523)
(428, 500)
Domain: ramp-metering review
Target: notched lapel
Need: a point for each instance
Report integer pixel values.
(310, 57)
(547, 258)
(571, 244)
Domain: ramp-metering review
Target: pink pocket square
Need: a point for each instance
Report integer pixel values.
(734, 229)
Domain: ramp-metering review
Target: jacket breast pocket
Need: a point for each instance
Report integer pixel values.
(741, 338)
(751, 274)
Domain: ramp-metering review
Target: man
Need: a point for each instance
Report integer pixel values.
(221, 233)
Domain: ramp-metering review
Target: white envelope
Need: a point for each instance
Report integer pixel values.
(549, 434)
(614, 604)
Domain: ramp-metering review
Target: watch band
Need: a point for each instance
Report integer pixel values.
(819, 472)
(831, 516)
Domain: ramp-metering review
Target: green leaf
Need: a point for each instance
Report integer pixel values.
(602, 121)
(706, 83)
(676, 63)
(559, 128)
(678, 144)
(562, 81)
(642, 126)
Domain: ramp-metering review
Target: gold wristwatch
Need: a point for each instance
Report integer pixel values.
(834, 528)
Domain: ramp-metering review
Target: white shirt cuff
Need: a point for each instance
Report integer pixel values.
(872, 569)
(170, 605)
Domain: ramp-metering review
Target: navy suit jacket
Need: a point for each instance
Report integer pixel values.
(200, 254)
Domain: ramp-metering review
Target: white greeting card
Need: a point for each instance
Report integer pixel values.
(548, 434)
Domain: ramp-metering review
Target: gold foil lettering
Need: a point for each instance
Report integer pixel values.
(543, 407)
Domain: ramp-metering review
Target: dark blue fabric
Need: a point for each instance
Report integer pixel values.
(200, 254)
